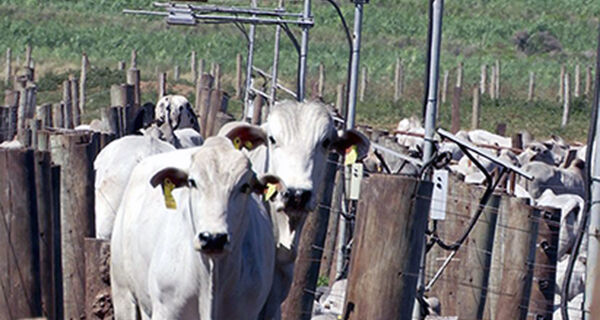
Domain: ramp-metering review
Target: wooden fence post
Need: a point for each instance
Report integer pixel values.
(176, 73)
(329, 252)
(321, 88)
(531, 91)
(206, 82)
(133, 79)
(8, 70)
(299, 303)
(483, 79)
(518, 259)
(257, 110)
(75, 153)
(492, 86)
(391, 212)
(398, 80)
(82, 83)
(58, 117)
(566, 102)
(133, 59)
(46, 229)
(68, 103)
(19, 266)
(364, 81)
(561, 83)
(445, 86)
(577, 82)
(541, 302)
(588, 81)
(22, 114)
(476, 111)
(193, 67)
(162, 84)
(75, 100)
(199, 86)
(497, 80)
(121, 65)
(456, 100)
(238, 75)
(28, 51)
(98, 302)
(44, 113)
(217, 75)
(339, 100)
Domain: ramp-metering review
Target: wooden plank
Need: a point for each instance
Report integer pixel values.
(19, 265)
(75, 100)
(75, 153)
(98, 301)
(519, 256)
(387, 248)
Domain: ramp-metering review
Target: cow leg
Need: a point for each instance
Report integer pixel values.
(125, 307)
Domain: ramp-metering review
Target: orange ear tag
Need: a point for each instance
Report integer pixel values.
(237, 143)
(270, 191)
(351, 155)
(168, 187)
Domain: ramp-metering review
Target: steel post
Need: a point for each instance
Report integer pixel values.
(273, 93)
(249, 63)
(355, 64)
(303, 53)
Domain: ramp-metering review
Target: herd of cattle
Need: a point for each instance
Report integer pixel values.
(209, 228)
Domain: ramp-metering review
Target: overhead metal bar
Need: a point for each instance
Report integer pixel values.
(174, 17)
(462, 143)
(227, 9)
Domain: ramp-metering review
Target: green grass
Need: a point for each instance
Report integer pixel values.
(475, 32)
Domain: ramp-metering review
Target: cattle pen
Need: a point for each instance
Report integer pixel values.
(418, 245)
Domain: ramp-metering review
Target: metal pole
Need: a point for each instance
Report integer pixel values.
(437, 9)
(592, 268)
(358, 13)
(273, 92)
(303, 54)
(249, 63)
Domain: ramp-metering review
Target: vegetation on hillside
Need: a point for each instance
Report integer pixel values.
(526, 35)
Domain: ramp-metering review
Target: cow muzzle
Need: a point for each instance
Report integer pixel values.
(211, 243)
(297, 199)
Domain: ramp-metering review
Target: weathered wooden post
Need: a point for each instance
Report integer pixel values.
(299, 302)
(445, 86)
(541, 302)
(68, 103)
(82, 83)
(329, 247)
(75, 153)
(58, 118)
(75, 100)
(390, 223)
(28, 51)
(44, 113)
(492, 86)
(199, 86)
(531, 91)
(7, 68)
(238, 75)
(206, 82)
(497, 74)
(98, 302)
(162, 84)
(193, 67)
(483, 79)
(257, 110)
(321, 87)
(588, 81)
(518, 259)
(566, 101)
(577, 89)
(133, 79)
(398, 80)
(364, 81)
(214, 105)
(476, 111)
(176, 73)
(19, 266)
(561, 83)
(456, 100)
(339, 100)
(133, 59)
(121, 65)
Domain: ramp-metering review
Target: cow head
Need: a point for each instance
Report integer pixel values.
(218, 182)
(177, 111)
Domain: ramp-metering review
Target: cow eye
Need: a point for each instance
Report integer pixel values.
(272, 140)
(192, 183)
(326, 143)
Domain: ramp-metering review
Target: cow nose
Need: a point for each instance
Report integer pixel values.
(297, 198)
(213, 242)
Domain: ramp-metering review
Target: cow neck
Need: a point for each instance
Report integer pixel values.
(286, 232)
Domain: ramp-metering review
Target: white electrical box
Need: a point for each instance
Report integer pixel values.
(353, 176)
(439, 196)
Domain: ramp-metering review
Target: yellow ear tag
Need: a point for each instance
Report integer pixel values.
(168, 187)
(351, 155)
(237, 143)
(270, 191)
(248, 145)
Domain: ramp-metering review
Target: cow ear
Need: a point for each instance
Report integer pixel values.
(244, 135)
(352, 141)
(177, 177)
(269, 186)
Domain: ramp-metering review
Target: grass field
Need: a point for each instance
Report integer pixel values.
(475, 32)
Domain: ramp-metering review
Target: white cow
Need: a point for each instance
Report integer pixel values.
(559, 180)
(300, 137)
(413, 127)
(212, 256)
(483, 137)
